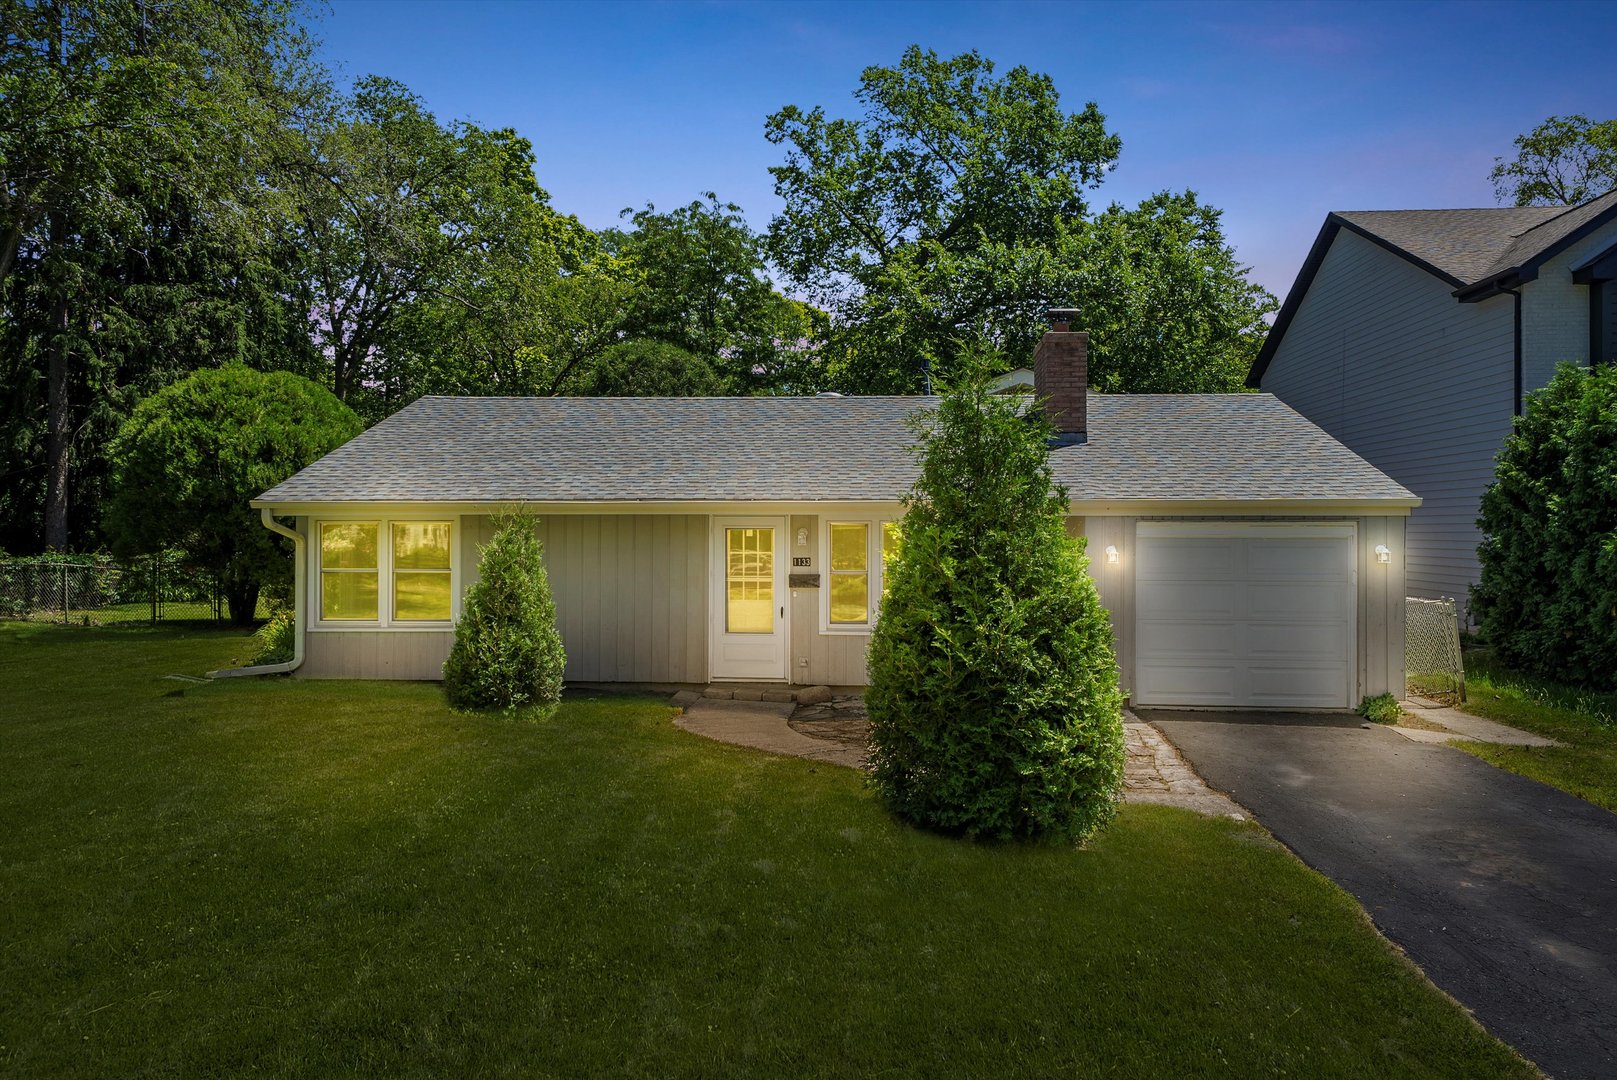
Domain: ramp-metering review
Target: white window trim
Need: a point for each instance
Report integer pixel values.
(384, 570)
(873, 559)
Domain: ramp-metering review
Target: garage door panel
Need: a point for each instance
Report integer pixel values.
(1189, 599)
(1303, 601)
(1327, 641)
(1300, 560)
(1180, 684)
(1191, 560)
(1188, 639)
(1297, 685)
(1245, 615)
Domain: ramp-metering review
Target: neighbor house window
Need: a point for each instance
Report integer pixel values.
(421, 586)
(849, 567)
(350, 571)
(386, 572)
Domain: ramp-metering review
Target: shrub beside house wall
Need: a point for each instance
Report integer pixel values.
(507, 653)
(993, 693)
(1547, 601)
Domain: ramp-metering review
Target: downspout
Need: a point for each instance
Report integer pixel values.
(298, 616)
(1516, 292)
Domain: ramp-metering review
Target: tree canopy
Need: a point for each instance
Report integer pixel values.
(191, 455)
(1564, 160)
(183, 187)
(955, 211)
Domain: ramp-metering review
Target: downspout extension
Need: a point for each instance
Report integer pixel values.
(298, 616)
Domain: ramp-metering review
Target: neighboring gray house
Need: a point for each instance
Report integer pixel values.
(1412, 336)
(1247, 558)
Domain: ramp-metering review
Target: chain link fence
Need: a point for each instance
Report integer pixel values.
(1432, 664)
(158, 588)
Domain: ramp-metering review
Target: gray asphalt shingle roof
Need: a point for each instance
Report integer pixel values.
(1474, 245)
(445, 449)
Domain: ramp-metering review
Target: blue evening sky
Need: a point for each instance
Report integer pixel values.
(1275, 112)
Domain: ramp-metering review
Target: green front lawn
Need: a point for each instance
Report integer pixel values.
(1585, 721)
(318, 878)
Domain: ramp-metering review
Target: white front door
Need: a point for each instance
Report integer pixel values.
(1245, 614)
(748, 606)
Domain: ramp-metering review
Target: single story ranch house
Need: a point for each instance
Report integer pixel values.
(1247, 558)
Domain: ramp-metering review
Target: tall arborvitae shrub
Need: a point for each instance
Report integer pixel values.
(993, 696)
(1547, 601)
(507, 652)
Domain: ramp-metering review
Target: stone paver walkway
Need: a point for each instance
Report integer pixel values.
(1154, 773)
(762, 725)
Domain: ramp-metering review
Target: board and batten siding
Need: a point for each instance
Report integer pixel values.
(1380, 620)
(631, 604)
(1382, 357)
(631, 592)
(818, 658)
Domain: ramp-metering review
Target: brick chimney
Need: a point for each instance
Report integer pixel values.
(1061, 376)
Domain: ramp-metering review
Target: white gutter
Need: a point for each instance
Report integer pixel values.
(298, 617)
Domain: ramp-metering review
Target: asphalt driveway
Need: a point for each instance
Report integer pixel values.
(1502, 889)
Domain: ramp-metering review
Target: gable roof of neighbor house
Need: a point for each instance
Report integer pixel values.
(1476, 252)
(1192, 447)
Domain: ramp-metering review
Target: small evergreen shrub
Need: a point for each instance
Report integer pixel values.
(1381, 709)
(507, 653)
(276, 637)
(1547, 600)
(993, 698)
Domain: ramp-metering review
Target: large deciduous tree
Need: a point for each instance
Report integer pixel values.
(134, 138)
(702, 286)
(955, 210)
(191, 456)
(1564, 160)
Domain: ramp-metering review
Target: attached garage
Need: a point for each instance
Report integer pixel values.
(1245, 614)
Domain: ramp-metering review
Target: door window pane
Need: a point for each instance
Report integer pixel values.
(749, 557)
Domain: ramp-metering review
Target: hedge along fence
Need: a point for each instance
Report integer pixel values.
(97, 591)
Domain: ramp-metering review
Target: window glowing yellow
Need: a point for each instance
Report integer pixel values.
(850, 573)
(349, 576)
(889, 550)
(421, 577)
(749, 579)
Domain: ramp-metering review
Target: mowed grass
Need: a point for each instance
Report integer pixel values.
(1585, 721)
(326, 878)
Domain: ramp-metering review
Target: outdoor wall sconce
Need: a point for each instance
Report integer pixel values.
(802, 538)
(1111, 554)
(1383, 553)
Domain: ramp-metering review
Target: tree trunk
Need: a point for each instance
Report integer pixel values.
(241, 598)
(58, 420)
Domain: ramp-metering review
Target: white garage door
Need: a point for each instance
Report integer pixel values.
(1244, 614)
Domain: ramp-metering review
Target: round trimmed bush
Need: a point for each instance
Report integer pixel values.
(1547, 601)
(993, 697)
(507, 653)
